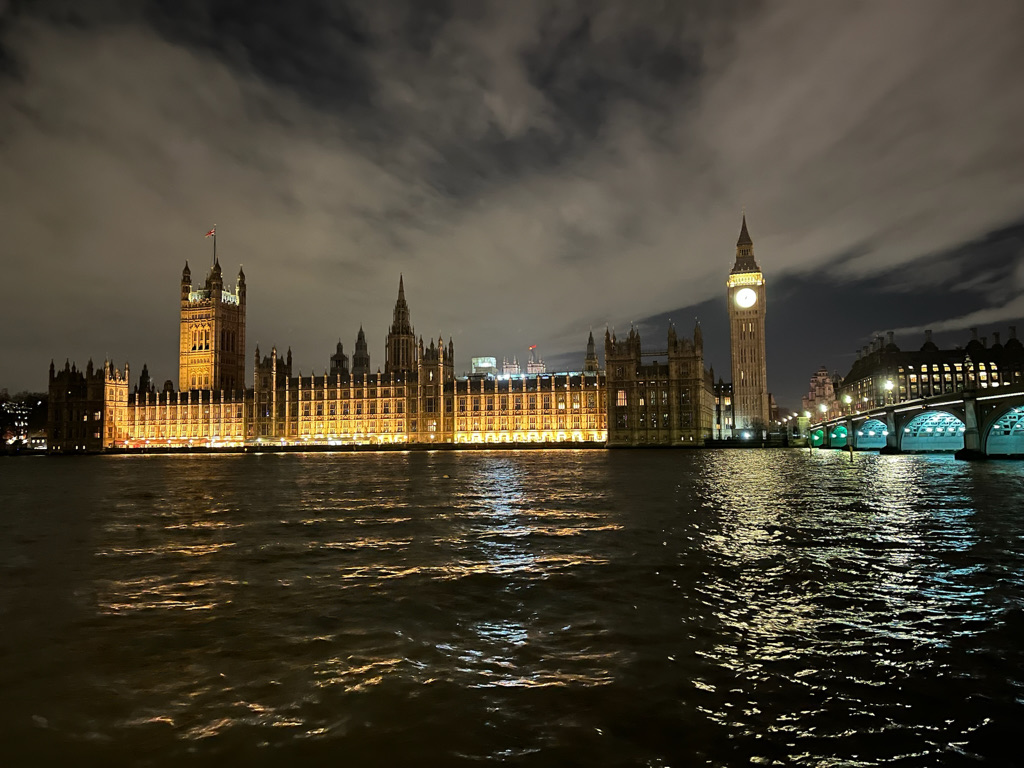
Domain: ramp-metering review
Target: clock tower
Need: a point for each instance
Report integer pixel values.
(746, 337)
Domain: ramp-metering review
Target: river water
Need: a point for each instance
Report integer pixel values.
(535, 608)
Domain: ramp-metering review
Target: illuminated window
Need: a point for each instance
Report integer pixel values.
(620, 398)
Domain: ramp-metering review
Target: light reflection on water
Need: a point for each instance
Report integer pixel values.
(543, 608)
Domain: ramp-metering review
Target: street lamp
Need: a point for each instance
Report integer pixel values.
(824, 427)
(847, 399)
(888, 391)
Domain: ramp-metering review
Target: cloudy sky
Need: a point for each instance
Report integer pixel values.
(534, 169)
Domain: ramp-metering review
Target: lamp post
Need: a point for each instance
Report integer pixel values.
(824, 427)
(849, 424)
(888, 391)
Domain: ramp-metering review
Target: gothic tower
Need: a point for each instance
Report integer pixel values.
(746, 337)
(339, 362)
(401, 343)
(590, 363)
(361, 358)
(211, 351)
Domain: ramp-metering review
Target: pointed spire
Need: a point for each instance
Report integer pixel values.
(745, 261)
(744, 235)
(401, 287)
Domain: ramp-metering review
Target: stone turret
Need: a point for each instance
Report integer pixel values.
(361, 357)
(339, 362)
(590, 362)
(186, 282)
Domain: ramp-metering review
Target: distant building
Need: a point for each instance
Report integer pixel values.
(87, 409)
(658, 403)
(642, 397)
(418, 400)
(484, 366)
(535, 364)
(884, 373)
(822, 392)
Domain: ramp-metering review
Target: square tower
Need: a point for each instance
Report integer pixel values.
(746, 338)
(211, 353)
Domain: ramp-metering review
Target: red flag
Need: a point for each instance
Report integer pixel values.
(211, 233)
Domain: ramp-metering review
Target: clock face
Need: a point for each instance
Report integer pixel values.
(746, 297)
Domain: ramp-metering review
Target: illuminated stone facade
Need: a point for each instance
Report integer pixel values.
(531, 408)
(669, 402)
(417, 399)
(87, 411)
(746, 289)
(212, 333)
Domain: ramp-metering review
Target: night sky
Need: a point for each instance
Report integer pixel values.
(534, 169)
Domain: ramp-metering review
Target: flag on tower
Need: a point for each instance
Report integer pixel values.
(211, 233)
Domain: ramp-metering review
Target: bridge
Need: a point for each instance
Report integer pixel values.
(973, 423)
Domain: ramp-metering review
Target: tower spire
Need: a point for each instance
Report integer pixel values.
(745, 261)
(744, 235)
(401, 341)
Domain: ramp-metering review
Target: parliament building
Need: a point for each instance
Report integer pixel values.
(667, 399)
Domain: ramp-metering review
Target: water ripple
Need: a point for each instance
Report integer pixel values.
(532, 608)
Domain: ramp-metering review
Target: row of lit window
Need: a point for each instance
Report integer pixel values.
(477, 403)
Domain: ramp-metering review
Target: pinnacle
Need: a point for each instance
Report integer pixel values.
(744, 235)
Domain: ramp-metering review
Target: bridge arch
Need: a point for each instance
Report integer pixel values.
(870, 436)
(932, 431)
(1006, 434)
(817, 437)
(837, 436)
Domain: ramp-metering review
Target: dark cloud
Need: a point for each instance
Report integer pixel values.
(533, 168)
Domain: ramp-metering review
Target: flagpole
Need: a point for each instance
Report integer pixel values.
(215, 244)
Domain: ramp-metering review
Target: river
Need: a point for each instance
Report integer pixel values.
(535, 608)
